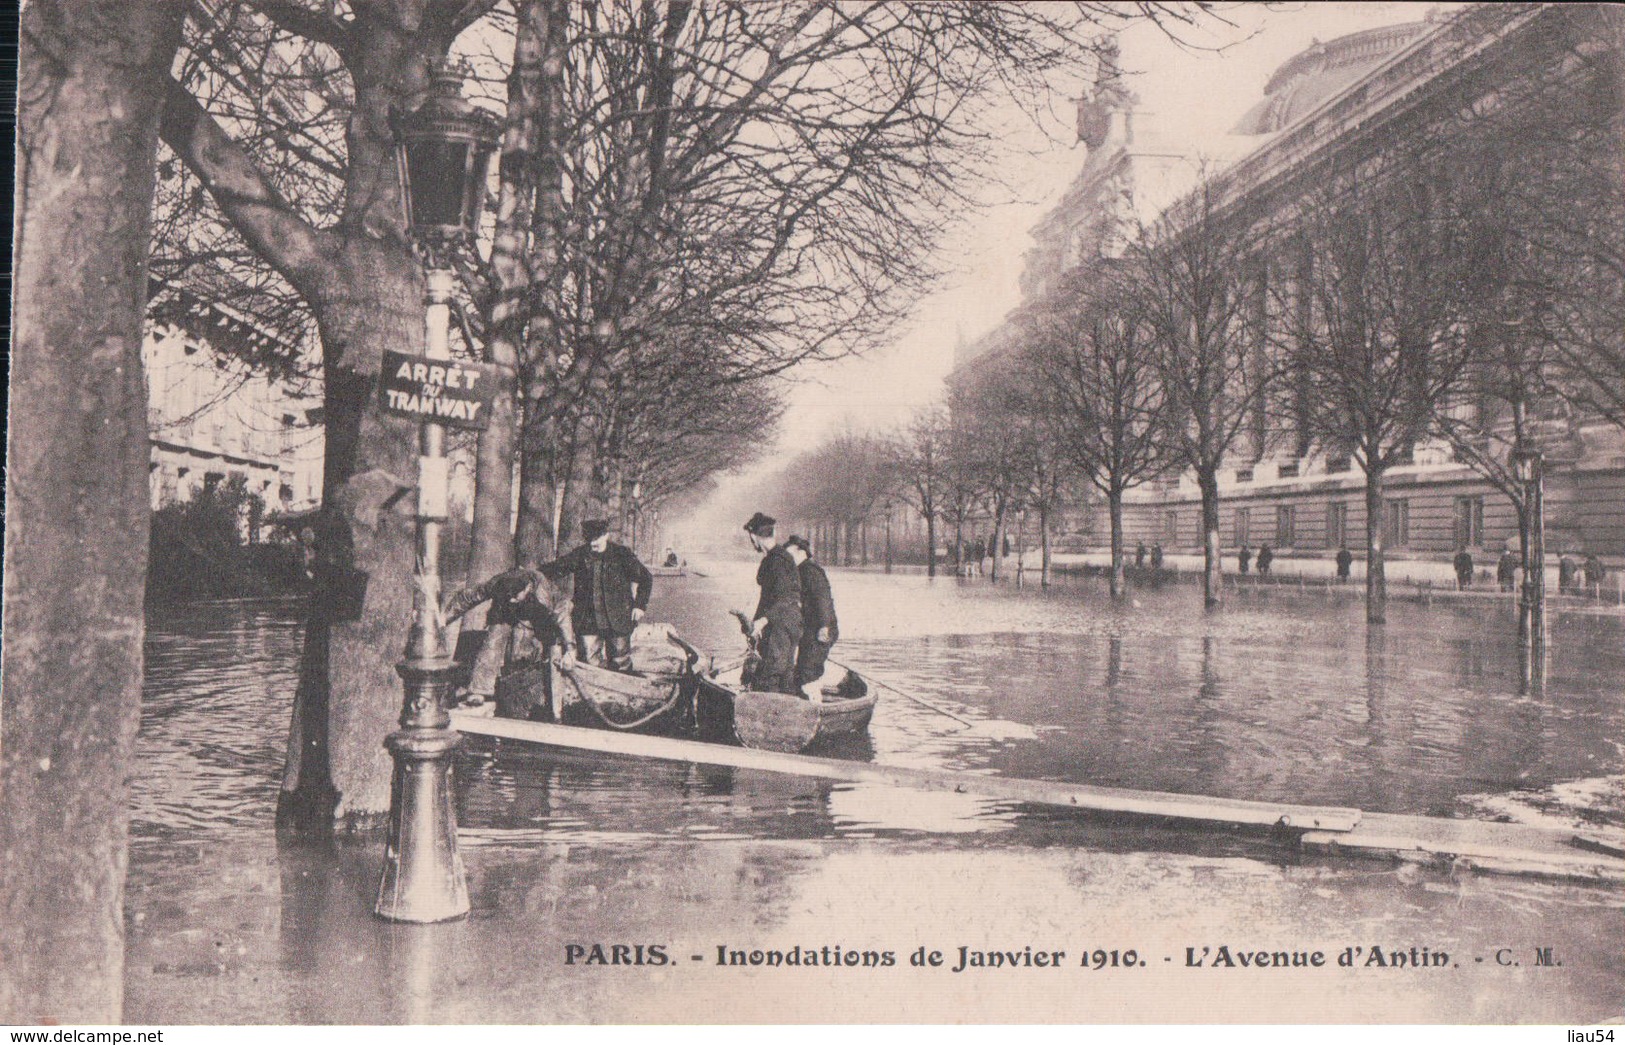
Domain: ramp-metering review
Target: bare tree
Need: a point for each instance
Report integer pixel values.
(999, 441)
(1397, 254)
(1198, 286)
(331, 224)
(1090, 354)
(91, 88)
(1546, 145)
(916, 458)
(755, 186)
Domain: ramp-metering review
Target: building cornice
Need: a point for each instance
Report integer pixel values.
(1390, 90)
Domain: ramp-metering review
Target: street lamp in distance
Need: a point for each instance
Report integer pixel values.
(444, 153)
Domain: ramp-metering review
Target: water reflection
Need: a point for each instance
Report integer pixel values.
(219, 941)
(1293, 700)
(1286, 699)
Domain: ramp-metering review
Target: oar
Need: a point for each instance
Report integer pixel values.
(905, 693)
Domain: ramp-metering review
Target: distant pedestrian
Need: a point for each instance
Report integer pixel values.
(1594, 573)
(1506, 570)
(1345, 560)
(1464, 569)
(1567, 571)
(1265, 556)
(1139, 554)
(1156, 556)
(1244, 559)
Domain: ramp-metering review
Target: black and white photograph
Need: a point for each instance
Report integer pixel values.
(539, 514)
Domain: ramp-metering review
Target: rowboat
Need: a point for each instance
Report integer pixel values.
(657, 697)
(668, 571)
(835, 706)
(674, 691)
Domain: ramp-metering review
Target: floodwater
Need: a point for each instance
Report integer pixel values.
(1281, 698)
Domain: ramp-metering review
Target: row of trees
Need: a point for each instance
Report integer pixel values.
(693, 199)
(1446, 286)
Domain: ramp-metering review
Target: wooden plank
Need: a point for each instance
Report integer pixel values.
(1196, 808)
(1478, 844)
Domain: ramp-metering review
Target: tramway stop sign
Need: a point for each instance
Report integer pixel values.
(450, 392)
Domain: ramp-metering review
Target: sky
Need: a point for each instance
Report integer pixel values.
(1187, 94)
(1191, 96)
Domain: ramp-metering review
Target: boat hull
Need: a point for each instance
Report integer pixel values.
(790, 723)
(588, 695)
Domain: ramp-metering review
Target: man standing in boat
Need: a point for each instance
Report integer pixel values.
(819, 629)
(611, 592)
(777, 620)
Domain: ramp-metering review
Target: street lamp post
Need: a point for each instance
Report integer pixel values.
(445, 149)
(1528, 467)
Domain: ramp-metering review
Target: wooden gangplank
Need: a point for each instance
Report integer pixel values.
(1036, 792)
(1453, 845)
(1479, 845)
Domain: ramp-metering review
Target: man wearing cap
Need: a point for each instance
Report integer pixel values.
(819, 629)
(777, 620)
(611, 592)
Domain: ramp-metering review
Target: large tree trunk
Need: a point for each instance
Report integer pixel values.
(93, 82)
(1212, 566)
(349, 694)
(365, 288)
(1114, 501)
(1044, 566)
(534, 537)
(543, 468)
(997, 551)
(492, 538)
(1376, 579)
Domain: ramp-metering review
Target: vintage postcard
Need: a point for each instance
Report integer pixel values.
(694, 513)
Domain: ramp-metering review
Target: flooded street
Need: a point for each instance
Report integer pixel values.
(1283, 699)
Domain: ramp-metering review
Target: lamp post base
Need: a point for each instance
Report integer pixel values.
(423, 878)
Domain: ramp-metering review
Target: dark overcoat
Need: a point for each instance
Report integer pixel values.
(781, 588)
(622, 585)
(817, 603)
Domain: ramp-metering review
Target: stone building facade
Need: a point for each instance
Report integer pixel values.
(1350, 96)
(212, 419)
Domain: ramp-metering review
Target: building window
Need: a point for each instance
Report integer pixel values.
(1337, 524)
(1244, 475)
(1289, 470)
(1241, 526)
(1170, 526)
(1286, 526)
(1340, 463)
(1396, 530)
(1469, 522)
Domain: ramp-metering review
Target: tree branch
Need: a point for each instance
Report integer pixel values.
(269, 224)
